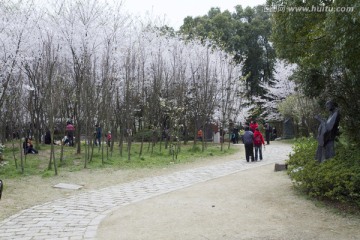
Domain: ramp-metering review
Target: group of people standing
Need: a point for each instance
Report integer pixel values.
(70, 129)
(98, 135)
(254, 140)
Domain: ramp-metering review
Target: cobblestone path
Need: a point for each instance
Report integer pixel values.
(78, 217)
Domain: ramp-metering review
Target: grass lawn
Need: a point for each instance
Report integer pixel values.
(151, 157)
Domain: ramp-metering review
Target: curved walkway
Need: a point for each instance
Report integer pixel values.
(78, 217)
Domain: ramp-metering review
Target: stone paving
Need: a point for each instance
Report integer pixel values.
(78, 217)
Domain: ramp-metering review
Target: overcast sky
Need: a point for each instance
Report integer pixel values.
(174, 11)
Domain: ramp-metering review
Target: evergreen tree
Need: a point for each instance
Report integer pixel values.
(325, 45)
(244, 33)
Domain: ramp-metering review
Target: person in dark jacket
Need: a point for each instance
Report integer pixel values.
(268, 131)
(248, 139)
(28, 147)
(274, 134)
(47, 137)
(98, 133)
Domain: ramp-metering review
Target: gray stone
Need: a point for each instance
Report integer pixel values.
(280, 167)
(68, 186)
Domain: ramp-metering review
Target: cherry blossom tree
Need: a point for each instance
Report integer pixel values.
(89, 62)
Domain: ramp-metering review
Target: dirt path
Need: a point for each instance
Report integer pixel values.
(253, 204)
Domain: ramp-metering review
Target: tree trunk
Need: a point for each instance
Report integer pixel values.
(13, 151)
(21, 157)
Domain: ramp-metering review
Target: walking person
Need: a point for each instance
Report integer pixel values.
(268, 131)
(248, 139)
(258, 142)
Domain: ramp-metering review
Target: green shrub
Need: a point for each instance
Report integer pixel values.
(195, 148)
(146, 135)
(337, 179)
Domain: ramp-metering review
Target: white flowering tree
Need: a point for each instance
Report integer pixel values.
(266, 107)
(88, 61)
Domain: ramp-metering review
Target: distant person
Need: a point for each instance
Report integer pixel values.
(268, 132)
(242, 132)
(47, 137)
(274, 133)
(25, 148)
(235, 136)
(248, 139)
(258, 142)
(200, 135)
(98, 135)
(253, 125)
(29, 148)
(233, 139)
(70, 129)
(108, 137)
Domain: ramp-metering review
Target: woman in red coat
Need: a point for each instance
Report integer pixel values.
(258, 141)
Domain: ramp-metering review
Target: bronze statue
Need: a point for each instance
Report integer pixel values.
(327, 132)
